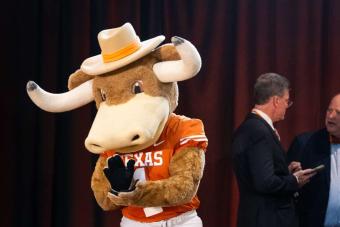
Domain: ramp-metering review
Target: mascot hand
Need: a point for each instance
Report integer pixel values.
(129, 198)
(119, 176)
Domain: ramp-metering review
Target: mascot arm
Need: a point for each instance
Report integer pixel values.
(186, 170)
(101, 186)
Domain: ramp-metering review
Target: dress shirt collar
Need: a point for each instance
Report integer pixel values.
(264, 116)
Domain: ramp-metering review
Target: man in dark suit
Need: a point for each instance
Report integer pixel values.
(319, 201)
(266, 182)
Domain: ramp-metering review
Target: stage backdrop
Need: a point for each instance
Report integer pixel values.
(45, 169)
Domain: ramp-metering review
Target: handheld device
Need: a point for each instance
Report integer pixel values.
(318, 168)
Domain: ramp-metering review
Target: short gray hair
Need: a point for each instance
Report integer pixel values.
(269, 85)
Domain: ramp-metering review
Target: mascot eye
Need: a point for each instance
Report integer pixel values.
(103, 95)
(137, 87)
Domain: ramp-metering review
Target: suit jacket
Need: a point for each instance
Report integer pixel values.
(265, 184)
(313, 149)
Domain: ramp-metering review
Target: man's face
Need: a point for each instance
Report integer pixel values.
(282, 104)
(333, 117)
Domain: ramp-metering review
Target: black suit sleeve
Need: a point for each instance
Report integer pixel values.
(261, 165)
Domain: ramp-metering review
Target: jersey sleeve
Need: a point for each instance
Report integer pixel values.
(191, 134)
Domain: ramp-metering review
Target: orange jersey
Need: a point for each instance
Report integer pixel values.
(179, 132)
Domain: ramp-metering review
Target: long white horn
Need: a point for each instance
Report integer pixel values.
(70, 100)
(187, 67)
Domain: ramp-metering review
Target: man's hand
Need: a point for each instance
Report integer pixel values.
(294, 167)
(303, 176)
(119, 176)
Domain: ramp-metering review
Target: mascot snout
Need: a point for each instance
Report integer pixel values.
(128, 127)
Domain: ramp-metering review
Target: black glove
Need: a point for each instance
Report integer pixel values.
(119, 176)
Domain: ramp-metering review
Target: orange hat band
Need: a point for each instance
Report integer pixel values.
(129, 49)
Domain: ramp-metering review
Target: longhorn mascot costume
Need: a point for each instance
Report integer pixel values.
(150, 160)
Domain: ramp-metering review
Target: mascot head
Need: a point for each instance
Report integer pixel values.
(134, 85)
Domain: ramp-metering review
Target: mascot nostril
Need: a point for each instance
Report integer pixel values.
(135, 137)
(155, 181)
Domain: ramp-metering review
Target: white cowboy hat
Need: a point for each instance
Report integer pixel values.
(120, 46)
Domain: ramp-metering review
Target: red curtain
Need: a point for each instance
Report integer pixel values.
(45, 167)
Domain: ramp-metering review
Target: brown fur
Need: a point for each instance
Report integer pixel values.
(77, 78)
(186, 170)
(166, 52)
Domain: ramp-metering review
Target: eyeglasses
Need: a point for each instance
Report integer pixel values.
(289, 103)
(330, 111)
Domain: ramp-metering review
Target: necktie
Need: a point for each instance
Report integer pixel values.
(277, 134)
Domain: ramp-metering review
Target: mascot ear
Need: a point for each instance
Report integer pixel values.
(166, 52)
(77, 78)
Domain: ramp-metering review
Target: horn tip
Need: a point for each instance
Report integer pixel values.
(177, 40)
(31, 85)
